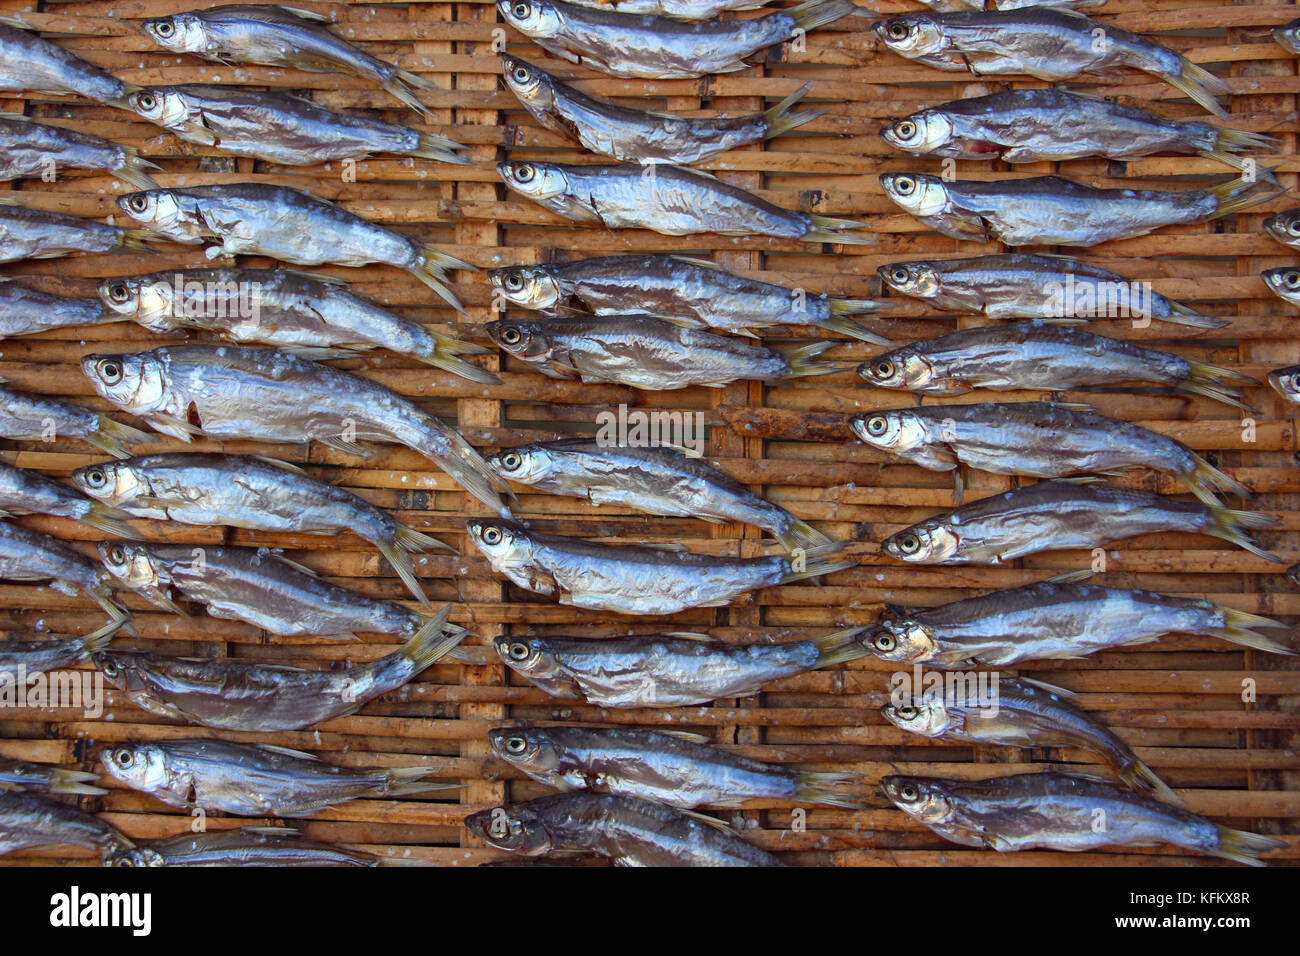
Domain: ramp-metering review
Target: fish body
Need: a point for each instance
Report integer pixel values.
(632, 579)
(24, 311)
(651, 765)
(1053, 210)
(655, 47)
(28, 148)
(629, 831)
(286, 224)
(670, 200)
(30, 820)
(22, 775)
(1019, 285)
(1057, 515)
(677, 9)
(648, 352)
(30, 556)
(29, 62)
(249, 780)
(23, 491)
(29, 417)
(666, 670)
(242, 847)
(1058, 811)
(230, 392)
(635, 136)
(279, 127)
(656, 480)
(37, 234)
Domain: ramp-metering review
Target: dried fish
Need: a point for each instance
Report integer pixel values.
(1022, 286)
(28, 417)
(1288, 36)
(630, 832)
(1041, 439)
(1057, 619)
(660, 47)
(30, 556)
(1043, 354)
(247, 846)
(635, 136)
(234, 694)
(30, 62)
(953, 6)
(21, 659)
(1054, 515)
(1058, 811)
(22, 775)
(1023, 713)
(24, 311)
(1285, 227)
(280, 128)
(674, 285)
(29, 820)
(1052, 210)
(37, 234)
(675, 769)
(28, 148)
(677, 9)
(1284, 282)
(248, 780)
(26, 492)
(648, 352)
(634, 579)
(286, 224)
(262, 494)
(282, 307)
(669, 200)
(1044, 43)
(226, 392)
(1286, 381)
(274, 35)
(673, 670)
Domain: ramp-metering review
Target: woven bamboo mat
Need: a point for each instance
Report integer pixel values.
(1178, 702)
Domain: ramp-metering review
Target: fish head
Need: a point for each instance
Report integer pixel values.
(902, 368)
(929, 543)
(1286, 382)
(530, 750)
(923, 132)
(912, 36)
(110, 481)
(531, 287)
(510, 828)
(180, 33)
(896, 431)
(532, 86)
(919, 194)
(503, 543)
(1284, 281)
(132, 565)
(163, 107)
(537, 181)
(1284, 226)
(139, 766)
(535, 18)
(134, 856)
(524, 340)
(132, 382)
(926, 716)
(530, 657)
(159, 209)
(900, 642)
(1288, 35)
(923, 799)
(919, 279)
(148, 301)
(526, 464)
(119, 668)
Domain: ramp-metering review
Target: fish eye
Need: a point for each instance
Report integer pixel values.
(899, 275)
(883, 369)
(165, 28)
(514, 281)
(909, 544)
(522, 9)
(518, 651)
(511, 336)
(109, 669)
(523, 74)
(897, 30)
(116, 554)
(1292, 280)
(516, 745)
(905, 185)
(510, 461)
(123, 757)
(908, 792)
(525, 173)
(111, 372)
(146, 101)
(906, 129)
(492, 534)
(1293, 227)
(118, 292)
(876, 424)
(139, 202)
(884, 642)
(96, 477)
(906, 712)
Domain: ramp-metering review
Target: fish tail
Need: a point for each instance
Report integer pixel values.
(814, 562)
(1230, 525)
(1205, 481)
(800, 534)
(74, 781)
(812, 14)
(1242, 846)
(857, 306)
(1213, 382)
(118, 615)
(137, 240)
(113, 437)
(108, 519)
(1234, 196)
(439, 148)
(458, 366)
(802, 360)
(1138, 776)
(433, 640)
(846, 326)
(1202, 86)
(780, 118)
(1237, 630)
(133, 169)
(433, 279)
(97, 640)
(1181, 314)
(404, 781)
(831, 229)
(400, 559)
(403, 84)
(467, 467)
(814, 787)
(1263, 173)
(1240, 141)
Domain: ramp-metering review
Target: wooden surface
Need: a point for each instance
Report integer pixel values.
(1178, 702)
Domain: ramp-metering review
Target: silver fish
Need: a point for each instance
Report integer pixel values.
(24, 311)
(248, 780)
(633, 579)
(635, 136)
(227, 392)
(22, 659)
(1055, 515)
(669, 200)
(630, 832)
(31, 63)
(28, 417)
(677, 9)
(1023, 713)
(1029, 126)
(1057, 811)
(26, 492)
(1053, 210)
(280, 128)
(29, 820)
(257, 493)
(1041, 439)
(656, 480)
(675, 670)
(1044, 43)
(282, 307)
(648, 352)
(1286, 382)
(660, 47)
(275, 35)
(677, 286)
(37, 234)
(286, 224)
(22, 775)
(234, 694)
(1057, 619)
(28, 148)
(1285, 227)
(678, 770)
(1288, 36)
(243, 847)
(255, 585)
(1284, 282)
(1040, 354)
(1018, 285)
(30, 556)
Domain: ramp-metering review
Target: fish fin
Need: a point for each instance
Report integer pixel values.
(290, 752)
(1242, 846)
(841, 646)
(340, 636)
(846, 326)
(280, 556)
(106, 518)
(689, 636)
(349, 447)
(814, 787)
(113, 437)
(280, 463)
(800, 534)
(1212, 382)
(1060, 692)
(1138, 776)
(403, 781)
(1204, 480)
(1267, 174)
(703, 263)
(454, 346)
(1239, 141)
(179, 424)
(817, 562)
(1237, 630)
(468, 469)
(133, 168)
(74, 781)
(1235, 197)
(458, 366)
(99, 639)
(811, 14)
(1202, 86)
(1229, 524)
(137, 240)
(688, 736)
(439, 148)
(1070, 577)
(433, 640)
(840, 306)
(802, 359)
(411, 540)
(781, 118)
(708, 820)
(429, 273)
(830, 229)
(400, 559)
(1185, 315)
(303, 13)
